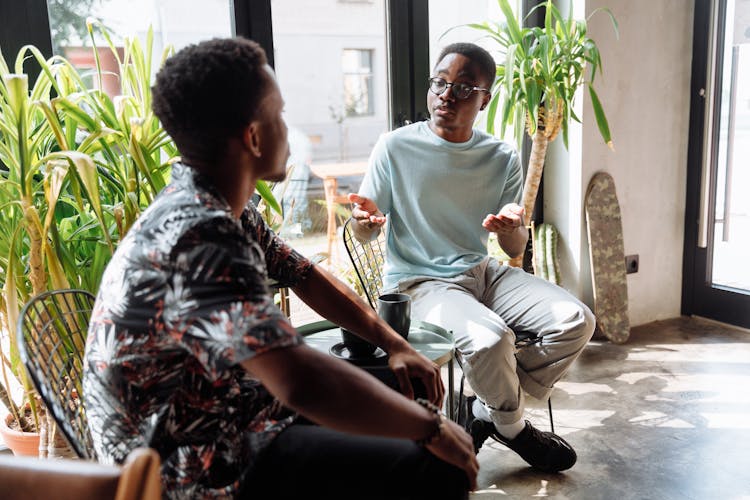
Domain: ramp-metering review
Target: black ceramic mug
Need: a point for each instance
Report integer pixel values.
(395, 309)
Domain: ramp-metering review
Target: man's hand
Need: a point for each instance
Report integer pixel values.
(366, 212)
(509, 219)
(408, 363)
(456, 447)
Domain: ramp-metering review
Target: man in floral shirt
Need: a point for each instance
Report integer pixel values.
(188, 354)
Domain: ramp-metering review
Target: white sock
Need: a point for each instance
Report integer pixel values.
(479, 411)
(508, 431)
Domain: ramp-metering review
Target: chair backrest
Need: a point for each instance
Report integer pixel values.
(367, 258)
(51, 340)
(25, 478)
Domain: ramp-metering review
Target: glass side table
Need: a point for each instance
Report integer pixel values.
(428, 339)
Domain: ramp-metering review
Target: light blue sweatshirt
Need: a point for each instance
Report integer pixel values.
(436, 194)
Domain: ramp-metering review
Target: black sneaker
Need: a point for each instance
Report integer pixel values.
(479, 430)
(544, 451)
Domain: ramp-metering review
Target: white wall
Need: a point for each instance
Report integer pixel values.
(645, 93)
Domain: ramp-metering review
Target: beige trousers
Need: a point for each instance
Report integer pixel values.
(483, 307)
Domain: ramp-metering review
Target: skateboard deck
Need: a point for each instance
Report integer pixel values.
(608, 272)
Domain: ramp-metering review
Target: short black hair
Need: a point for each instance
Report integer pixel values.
(208, 92)
(477, 54)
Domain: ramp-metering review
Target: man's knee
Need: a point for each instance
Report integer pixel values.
(589, 322)
(487, 344)
(582, 328)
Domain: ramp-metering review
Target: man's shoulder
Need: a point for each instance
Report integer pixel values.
(177, 214)
(407, 132)
(481, 137)
(500, 152)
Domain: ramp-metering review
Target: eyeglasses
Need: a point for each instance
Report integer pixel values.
(460, 90)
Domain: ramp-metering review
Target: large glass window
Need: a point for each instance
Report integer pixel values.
(732, 216)
(336, 99)
(175, 23)
(331, 65)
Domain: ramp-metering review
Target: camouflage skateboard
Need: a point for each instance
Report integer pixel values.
(607, 252)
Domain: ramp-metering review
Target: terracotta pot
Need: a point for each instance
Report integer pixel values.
(20, 443)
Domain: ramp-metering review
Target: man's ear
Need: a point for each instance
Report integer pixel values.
(251, 139)
(486, 100)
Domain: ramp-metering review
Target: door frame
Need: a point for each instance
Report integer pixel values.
(699, 297)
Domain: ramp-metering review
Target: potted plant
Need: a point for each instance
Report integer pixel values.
(541, 70)
(35, 166)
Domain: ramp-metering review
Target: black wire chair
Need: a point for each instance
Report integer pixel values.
(51, 340)
(368, 257)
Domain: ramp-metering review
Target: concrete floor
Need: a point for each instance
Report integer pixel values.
(664, 416)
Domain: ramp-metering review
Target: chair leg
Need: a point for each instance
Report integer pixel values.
(451, 407)
(549, 406)
(457, 414)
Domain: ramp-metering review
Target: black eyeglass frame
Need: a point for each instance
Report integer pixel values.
(460, 90)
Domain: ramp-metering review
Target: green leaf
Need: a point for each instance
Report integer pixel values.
(510, 58)
(76, 113)
(265, 193)
(514, 30)
(601, 119)
(507, 109)
(86, 172)
(491, 113)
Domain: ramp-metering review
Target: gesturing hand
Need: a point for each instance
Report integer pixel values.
(366, 212)
(506, 221)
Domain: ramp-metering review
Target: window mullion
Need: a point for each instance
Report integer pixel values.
(252, 19)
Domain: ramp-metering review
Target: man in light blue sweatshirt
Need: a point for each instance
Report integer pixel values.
(443, 186)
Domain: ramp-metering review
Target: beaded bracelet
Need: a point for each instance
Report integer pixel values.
(438, 431)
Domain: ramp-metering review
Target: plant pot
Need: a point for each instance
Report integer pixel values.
(20, 443)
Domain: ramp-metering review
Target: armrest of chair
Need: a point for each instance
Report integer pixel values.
(141, 477)
(26, 477)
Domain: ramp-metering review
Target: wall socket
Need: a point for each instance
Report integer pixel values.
(631, 263)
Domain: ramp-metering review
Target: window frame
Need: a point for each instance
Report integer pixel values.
(26, 23)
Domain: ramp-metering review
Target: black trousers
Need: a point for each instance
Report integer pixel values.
(309, 461)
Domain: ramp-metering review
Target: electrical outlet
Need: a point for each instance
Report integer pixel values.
(631, 263)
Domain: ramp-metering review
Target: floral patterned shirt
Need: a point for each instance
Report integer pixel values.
(185, 300)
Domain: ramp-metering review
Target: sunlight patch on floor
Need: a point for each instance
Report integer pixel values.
(727, 420)
(577, 388)
(659, 419)
(695, 353)
(699, 387)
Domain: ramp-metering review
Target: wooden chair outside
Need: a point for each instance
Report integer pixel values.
(51, 338)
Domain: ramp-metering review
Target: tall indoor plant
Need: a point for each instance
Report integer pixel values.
(36, 164)
(541, 70)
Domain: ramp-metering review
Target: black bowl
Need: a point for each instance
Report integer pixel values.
(357, 345)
